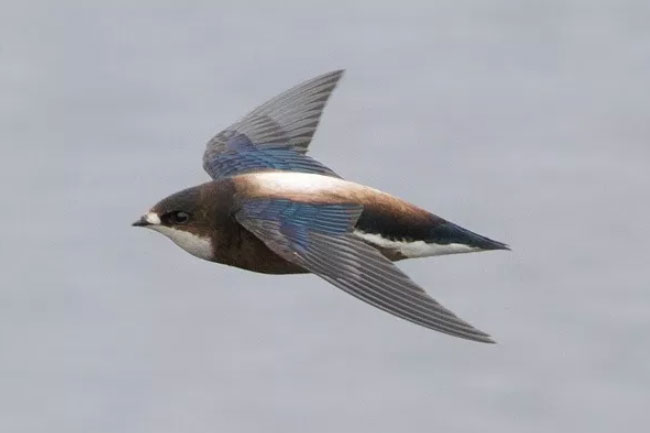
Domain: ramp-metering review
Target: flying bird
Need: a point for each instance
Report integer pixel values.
(270, 208)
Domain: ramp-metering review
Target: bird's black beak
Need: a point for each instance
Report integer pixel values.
(142, 222)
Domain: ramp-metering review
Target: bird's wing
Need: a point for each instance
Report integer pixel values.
(318, 238)
(275, 135)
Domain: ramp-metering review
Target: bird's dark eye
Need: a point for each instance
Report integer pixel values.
(177, 217)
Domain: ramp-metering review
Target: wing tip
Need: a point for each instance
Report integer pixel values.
(332, 76)
(334, 72)
(485, 338)
(471, 334)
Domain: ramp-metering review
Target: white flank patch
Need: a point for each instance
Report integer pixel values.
(415, 248)
(196, 245)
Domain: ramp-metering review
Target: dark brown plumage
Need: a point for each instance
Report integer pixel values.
(272, 209)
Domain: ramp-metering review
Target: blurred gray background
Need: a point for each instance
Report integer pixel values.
(525, 121)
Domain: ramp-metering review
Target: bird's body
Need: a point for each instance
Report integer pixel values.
(398, 229)
(274, 210)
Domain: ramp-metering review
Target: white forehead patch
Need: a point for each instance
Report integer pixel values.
(194, 244)
(152, 218)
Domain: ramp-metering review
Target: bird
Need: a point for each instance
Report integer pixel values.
(270, 208)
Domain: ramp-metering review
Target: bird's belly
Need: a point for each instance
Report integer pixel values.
(244, 250)
(270, 263)
(240, 248)
(262, 260)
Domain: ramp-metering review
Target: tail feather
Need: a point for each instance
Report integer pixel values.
(449, 233)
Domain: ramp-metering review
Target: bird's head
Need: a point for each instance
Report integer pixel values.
(185, 219)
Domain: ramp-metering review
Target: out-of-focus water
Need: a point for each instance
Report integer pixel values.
(525, 121)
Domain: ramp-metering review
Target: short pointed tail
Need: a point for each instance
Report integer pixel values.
(450, 233)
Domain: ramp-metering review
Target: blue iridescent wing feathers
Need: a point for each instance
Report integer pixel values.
(298, 221)
(241, 156)
(319, 238)
(274, 136)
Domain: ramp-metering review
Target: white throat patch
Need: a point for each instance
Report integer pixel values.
(196, 245)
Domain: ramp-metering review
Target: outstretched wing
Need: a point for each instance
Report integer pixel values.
(318, 238)
(275, 135)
